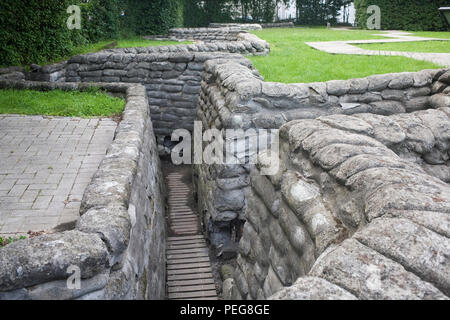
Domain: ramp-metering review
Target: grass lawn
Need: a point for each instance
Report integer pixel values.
(428, 46)
(60, 103)
(292, 61)
(431, 34)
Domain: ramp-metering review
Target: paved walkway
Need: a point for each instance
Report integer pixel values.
(45, 165)
(189, 273)
(347, 47)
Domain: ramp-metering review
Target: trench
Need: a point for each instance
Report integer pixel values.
(189, 269)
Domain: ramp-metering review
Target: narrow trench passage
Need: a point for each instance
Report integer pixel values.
(189, 273)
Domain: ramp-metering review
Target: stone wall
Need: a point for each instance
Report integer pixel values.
(242, 26)
(254, 26)
(245, 44)
(172, 81)
(234, 96)
(119, 240)
(12, 73)
(218, 40)
(206, 34)
(346, 217)
(234, 33)
(278, 25)
(171, 74)
(51, 73)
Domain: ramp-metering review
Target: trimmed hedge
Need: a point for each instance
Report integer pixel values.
(34, 31)
(153, 17)
(201, 13)
(100, 19)
(413, 15)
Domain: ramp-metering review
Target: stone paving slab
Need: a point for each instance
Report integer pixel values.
(347, 47)
(45, 165)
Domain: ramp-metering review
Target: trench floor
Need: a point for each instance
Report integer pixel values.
(189, 273)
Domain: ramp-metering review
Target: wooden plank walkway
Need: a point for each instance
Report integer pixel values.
(189, 273)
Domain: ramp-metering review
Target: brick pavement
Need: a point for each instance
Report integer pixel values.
(45, 165)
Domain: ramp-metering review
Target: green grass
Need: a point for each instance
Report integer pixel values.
(292, 61)
(431, 34)
(427, 46)
(5, 241)
(60, 103)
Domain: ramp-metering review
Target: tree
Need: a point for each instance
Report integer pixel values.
(147, 17)
(318, 12)
(258, 10)
(200, 13)
(345, 11)
(203, 12)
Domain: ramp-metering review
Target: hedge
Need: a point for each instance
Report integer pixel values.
(100, 19)
(199, 13)
(153, 17)
(413, 15)
(31, 31)
(34, 31)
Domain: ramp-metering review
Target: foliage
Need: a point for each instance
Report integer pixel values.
(318, 12)
(150, 17)
(202, 12)
(100, 19)
(6, 241)
(258, 10)
(91, 103)
(34, 31)
(404, 14)
(31, 31)
(199, 13)
(292, 61)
